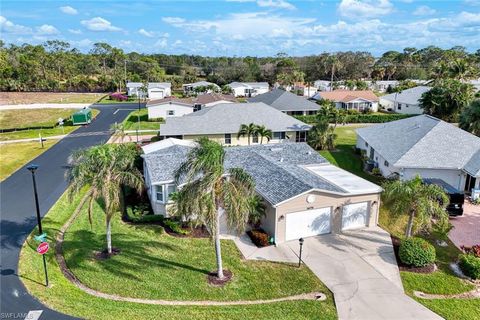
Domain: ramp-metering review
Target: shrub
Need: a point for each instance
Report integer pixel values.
(117, 96)
(475, 250)
(416, 252)
(175, 226)
(470, 265)
(362, 118)
(376, 172)
(259, 237)
(137, 214)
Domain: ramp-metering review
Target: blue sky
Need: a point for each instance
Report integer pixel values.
(245, 27)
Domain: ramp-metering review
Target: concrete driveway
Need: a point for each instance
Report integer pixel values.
(466, 228)
(359, 267)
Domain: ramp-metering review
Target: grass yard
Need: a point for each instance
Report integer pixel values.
(29, 134)
(48, 97)
(106, 100)
(155, 265)
(131, 121)
(24, 118)
(16, 155)
(442, 281)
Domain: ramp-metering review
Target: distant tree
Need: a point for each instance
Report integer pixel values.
(247, 130)
(263, 132)
(226, 89)
(470, 118)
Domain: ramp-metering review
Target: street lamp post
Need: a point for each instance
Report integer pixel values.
(300, 255)
(32, 168)
(138, 116)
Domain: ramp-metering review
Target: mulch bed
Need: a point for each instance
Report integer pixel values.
(403, 267)
(215, 281)
(197, 232)
(103, 255)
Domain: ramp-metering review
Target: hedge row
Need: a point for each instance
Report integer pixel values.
(363, 118)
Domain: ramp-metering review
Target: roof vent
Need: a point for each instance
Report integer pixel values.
(281, 159)
(276, 149)
(309, 152)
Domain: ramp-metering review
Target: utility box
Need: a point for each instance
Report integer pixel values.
(83, 116)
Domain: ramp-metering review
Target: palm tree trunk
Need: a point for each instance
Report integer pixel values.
(218, 249)
(109, 236)
(410, 224)
(248, 139)
(261, 139)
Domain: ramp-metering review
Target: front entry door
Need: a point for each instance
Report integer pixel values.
(469, 183)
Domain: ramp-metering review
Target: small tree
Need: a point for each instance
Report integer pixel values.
(247, 130)
(263, 132)
(322, 135)
(118, 132)
(422, 202)
(257, 210)
(470, 118)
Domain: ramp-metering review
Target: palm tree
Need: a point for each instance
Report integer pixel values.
(422, 202)
(247, 130)
(257, 210)
(460, 69)
(105, 170)
(470, 118)
(118, 132)
(263, 132)
(209, 189)
(322, 135)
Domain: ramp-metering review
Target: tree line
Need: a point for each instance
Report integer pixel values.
(57, 66)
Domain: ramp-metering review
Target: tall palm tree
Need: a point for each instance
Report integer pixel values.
(105, 170)
(247, 130)
(118, 132)
(460, 69)
(422, 202)
(263, 132)
(209, 189)
(470, 118)
(322, 135)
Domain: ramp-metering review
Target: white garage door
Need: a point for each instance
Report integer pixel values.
(307, 223)
(354, 215)
(155, 94)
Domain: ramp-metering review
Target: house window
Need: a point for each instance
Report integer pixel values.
(159, 193)
(386, 163)
(163, 192)
(255, 138)
(197, 107)
(171, 112)
(228, 138)
(170, 189)
(399, 107)
(366, 144)
(301, 136)
(279, 135)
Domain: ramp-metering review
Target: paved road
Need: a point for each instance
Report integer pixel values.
(17, 208)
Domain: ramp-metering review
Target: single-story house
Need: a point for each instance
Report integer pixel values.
(406, 101)
(190, 87)
(287, 102)
(304, 194)
(322, 85)
(156, 90)
(249, 89)
(222, 123)
(177, 107)
(425, 146)
(304, 90)
(382, 85)
(475, 83)
(350, 99)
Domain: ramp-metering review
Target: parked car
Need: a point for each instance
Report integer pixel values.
(457, 197)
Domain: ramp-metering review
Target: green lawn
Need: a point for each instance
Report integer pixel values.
(106, 100)
(15, 155)
(132, 121)
(23, 118)
(154, 265)
(442, 281)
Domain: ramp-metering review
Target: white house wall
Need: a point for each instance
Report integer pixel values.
(160, 111)
(453, 177)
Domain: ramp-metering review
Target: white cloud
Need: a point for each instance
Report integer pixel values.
(357, 9)
(47, 29)
(149, 34)
(99, 24)
(177, 43)
(173, 20)
(281, 4)
(424, 11)
(75, 31)
(8, 26)
(161, 43)
(84, 43)
(68, 10)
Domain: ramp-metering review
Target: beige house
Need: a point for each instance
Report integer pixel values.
(304, 194)
(222, 123)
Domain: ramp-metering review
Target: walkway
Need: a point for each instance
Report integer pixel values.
(466, 228)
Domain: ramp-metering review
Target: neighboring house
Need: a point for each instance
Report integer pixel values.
(177, 107)
(190, 87)
(156, 90)
(322, 85)
(424, 146)
(304, 90)
(249, 89)
(222, 123)
(359, 100)
(287, 102)
(406, 101)
(304, 194)
(475, 83)
(382, 85)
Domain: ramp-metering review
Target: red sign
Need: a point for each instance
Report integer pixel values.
(43, 248)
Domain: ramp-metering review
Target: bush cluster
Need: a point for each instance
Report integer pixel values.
(470, 265)
(416, 252)
(136, 215)
(361, 118)
(475, 250)
(259, 237)
(175, 226)
(117, 96)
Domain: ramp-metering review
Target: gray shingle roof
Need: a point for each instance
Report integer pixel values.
(228, 117)
(285, 101)
(249, 85)
(424, 142)
(408, 96)
(151, 85)
(277, 169)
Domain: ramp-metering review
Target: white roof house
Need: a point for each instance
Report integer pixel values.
(190, 87)
(406, 101)
(322, 85)
(155, 90)
(249, 89)
(426, 146)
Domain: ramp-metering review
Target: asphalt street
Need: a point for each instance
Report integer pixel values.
(17, 207)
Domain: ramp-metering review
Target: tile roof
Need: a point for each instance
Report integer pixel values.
(407, 96)
(285, 101)
(228, 117)
(279, 170)
(424, 142)
(347, 95)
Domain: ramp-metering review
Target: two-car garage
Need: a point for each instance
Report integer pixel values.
(314, 222)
